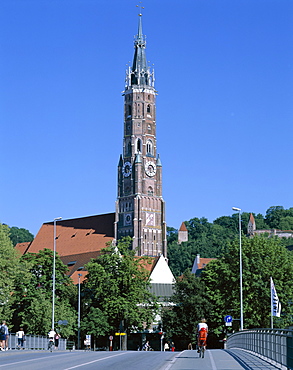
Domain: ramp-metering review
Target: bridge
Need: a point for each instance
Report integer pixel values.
(258, 349)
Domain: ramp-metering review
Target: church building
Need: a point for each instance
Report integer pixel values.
(140, 208)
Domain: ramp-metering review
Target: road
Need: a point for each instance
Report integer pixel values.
(129, 360)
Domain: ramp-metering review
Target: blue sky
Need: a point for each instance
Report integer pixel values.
(224, 74)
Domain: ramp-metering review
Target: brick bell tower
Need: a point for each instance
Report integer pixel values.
(140, 208)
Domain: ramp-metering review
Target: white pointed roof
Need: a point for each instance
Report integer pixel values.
(161, 273)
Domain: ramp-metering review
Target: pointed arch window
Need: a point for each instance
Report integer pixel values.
(148, 108)
(150, 191)
(149, 147)
(138, 146)
(129, 110)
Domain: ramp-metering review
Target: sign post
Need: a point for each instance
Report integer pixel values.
(111, 341)
(120, 338)
(228, 320)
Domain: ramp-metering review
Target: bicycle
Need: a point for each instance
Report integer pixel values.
(51, 345)
(201, 347)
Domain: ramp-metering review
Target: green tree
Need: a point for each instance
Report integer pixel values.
(33, 298)
(206, 239)
(9, 268)
(20, 235)
(191, 304)
(262, 258)
(116, 292)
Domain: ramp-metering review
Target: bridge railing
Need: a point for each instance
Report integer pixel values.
(275, 345)
(36, 342)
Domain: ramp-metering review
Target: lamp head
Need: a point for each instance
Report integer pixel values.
(236, 209)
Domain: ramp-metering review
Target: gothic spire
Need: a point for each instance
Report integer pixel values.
(139, 73)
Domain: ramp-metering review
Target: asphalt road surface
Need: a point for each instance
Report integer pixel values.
(130, 360)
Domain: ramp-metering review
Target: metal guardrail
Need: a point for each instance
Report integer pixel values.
(275, 345)
(36, 342)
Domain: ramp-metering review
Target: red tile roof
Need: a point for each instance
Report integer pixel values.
(75, 236)
(22, 247)
(203, 262)
(78, 241)
(183, 227)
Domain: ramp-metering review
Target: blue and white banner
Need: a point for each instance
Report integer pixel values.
(275, 302)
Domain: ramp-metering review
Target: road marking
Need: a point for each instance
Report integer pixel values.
(91, 362)
(32, 359)
(214, 367)
(168, 366)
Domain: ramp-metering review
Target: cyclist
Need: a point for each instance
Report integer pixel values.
(202, 333)
(51, 336)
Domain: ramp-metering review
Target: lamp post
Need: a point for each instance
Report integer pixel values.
(78, 321)
(240, 267)
(54, 273)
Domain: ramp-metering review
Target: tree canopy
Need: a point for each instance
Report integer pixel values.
(116, 294)
(20, 235)
(9, 269)
(210, 240)
(33, 297)
(262, 258)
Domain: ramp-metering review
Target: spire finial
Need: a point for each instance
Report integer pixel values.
(141, 7)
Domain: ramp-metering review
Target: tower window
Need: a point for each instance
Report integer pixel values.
(138, 145)
(148, 109)
(129, 110)
(150, 191)
(149, 147)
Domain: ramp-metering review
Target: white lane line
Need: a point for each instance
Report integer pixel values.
(214, 367)
(32, 359)
(169, 365)
(91, 362)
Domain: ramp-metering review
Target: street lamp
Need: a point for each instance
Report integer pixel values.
(240, 268)
(54, 270)
(78, 322)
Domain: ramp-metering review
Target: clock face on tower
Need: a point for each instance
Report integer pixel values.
(126, 169)
(150, 219)
(127, 219)
(150, 168)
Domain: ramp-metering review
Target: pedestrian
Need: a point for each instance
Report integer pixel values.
(189, 347)
(2, 337)
(20, 338)
(172, 347)
(57, 337)
(166, 346)
(5, 335)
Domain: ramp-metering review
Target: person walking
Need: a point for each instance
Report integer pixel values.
(2, 337)
(4, 334)
(20, 338)
(166, 346)
(57, 336)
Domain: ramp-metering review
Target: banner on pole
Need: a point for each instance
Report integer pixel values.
(275, 302)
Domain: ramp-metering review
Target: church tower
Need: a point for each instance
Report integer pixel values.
(140, 208)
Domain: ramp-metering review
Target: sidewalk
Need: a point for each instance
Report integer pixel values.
(218, 359)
